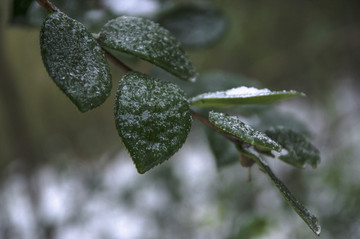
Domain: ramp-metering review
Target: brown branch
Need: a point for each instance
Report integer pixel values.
(116, 61)
(50, 7)
(206, 122)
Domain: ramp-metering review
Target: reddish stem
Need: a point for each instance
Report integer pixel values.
(206, 122)
(50, 7)
(117, 61)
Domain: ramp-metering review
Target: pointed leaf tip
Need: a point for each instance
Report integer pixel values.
(75, 61)
(309, 218)
(152, 117)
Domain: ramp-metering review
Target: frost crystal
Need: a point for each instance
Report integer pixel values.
(236, 127)
(75, 61)
(147, 40)
(152, 117)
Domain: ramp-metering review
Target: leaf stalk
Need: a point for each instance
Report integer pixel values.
(49, 6)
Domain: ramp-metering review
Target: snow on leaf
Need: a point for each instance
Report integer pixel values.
(152, 117)
(146, 39)
(75, 61)
(234, 126)
(242, 95)
(299, 150)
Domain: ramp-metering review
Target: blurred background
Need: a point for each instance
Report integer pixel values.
(65, 175)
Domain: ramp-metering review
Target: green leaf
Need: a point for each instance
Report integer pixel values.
(304, 213)
(271, 117)
(195, 25)
(147, 40)
(152, 117)
(241, 95)
(299, 150)
(75, 61)
(209, 81)
(234, 126)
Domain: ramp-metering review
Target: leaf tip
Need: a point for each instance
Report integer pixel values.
(318, 230)
(82, 110)
(315, 227)
(141, 170)
(277, 147)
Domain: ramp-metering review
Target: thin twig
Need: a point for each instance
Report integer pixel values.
(117, 61)
(50, 7)
(206, 122)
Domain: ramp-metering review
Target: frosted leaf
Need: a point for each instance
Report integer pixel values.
(75, 61)
(242, 95)
(152, 117)
(195, 24)
(145, 39)
(234, 126)
(299, 150)
(309, 218)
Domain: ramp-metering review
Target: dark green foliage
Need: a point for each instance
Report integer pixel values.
(305, 214)
(245, 133)
(300, 151)
(152, 117)
(145, 39)
(234, 126)
(75, 61)
(195, 25)
(240, 96)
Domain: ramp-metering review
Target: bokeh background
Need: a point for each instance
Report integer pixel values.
(65, 175)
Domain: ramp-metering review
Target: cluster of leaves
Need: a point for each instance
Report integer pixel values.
(154, 117)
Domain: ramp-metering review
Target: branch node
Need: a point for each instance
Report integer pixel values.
(117, 61)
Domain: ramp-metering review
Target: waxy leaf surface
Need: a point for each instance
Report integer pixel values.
(240, 96)
(234, 126)
(152, 117)
(75, 61)
(299, 150)
(146, 39)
